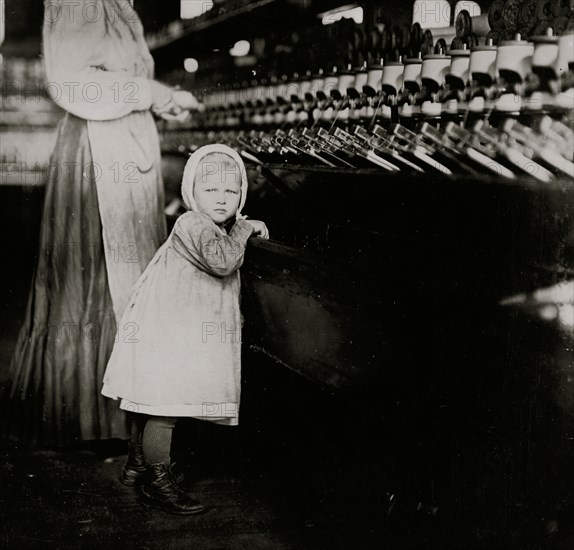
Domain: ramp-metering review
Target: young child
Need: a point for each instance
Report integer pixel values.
(178, 353)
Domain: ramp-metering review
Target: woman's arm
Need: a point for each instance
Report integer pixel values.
(210, 250)
(76, 50)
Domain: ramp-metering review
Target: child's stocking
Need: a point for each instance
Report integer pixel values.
(157, 439)
(137, 424)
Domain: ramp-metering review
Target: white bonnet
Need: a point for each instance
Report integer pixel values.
(191, 170)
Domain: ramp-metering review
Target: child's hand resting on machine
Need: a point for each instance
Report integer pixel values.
(260, 228)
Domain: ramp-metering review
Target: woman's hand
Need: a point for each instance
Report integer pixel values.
(164, 104)
(186, 101)
(181, 103)
(260, 228)
(174, 114)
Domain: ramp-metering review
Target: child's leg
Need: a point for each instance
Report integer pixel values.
(137, 425)
(135, 467)
(157, 439)
(160, 488)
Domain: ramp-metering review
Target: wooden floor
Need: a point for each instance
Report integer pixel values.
(313, 479)
(73, 499)
(281, 480)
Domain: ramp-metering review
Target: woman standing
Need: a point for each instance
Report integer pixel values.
(103, 220)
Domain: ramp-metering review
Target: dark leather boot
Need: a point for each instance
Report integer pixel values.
(135, 467)
(161, 490)
(177, 472)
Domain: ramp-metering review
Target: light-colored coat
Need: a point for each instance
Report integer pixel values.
(179, 343)
(178, 351)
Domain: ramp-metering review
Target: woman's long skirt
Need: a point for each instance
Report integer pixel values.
(58, 365)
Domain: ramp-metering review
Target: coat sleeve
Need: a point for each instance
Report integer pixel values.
(210, 250)
(76, 49)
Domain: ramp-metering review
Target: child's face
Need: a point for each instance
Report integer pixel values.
(217, 188)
